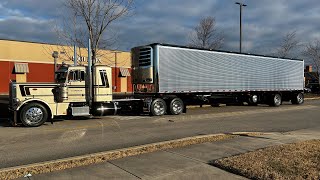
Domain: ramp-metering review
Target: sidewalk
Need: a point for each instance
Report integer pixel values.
(191, 162)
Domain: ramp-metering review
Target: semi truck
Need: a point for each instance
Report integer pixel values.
(166, 78)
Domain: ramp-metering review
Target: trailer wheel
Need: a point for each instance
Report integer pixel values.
(158, 107)
(33, 115)
(253, 100)
(298, 99)
(176, 106)
(276, 100)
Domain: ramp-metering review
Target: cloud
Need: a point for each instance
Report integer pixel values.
(26, 28)
(171, 21)
(34, 8)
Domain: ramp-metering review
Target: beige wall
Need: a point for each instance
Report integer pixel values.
(124, 85)
(21, 78)
(38, 52)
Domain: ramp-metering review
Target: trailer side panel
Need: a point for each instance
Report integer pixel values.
(192, 70)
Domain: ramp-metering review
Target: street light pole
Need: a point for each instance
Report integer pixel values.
(241, 5)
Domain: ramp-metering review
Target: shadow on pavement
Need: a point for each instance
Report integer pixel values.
(4, 113)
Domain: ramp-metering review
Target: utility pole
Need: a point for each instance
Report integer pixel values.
(241, 5)
(90, 76)
(75, 58)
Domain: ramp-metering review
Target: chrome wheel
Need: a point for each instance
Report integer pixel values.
(277, 100)
(300, 98)
(254, 99)
(34, 115)
(176, 106)
(158, 107)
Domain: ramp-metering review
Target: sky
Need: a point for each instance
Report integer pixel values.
(265, 22)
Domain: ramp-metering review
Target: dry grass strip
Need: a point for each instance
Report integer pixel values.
(50, 166)
(291, 161)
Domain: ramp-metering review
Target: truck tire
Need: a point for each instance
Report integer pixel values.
(253, 100)
(33, 115)
(298, 99)
(275, 100)
(158, 107)
(176, 106)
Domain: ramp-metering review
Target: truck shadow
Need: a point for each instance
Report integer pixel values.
(4, 113)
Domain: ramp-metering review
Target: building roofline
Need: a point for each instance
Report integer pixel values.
(35, 42)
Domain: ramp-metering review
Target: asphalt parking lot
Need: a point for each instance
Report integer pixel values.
(78, 136)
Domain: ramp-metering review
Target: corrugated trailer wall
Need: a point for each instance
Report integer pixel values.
(184, 70)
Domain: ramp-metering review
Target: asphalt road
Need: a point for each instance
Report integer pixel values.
(66, 138)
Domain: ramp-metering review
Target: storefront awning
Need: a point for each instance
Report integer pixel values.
(21, 68)
(124, 72)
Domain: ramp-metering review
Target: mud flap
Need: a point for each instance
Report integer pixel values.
(184, 108)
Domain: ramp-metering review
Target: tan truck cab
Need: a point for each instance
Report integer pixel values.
(33, 103)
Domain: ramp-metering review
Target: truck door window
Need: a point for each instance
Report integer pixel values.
(76, 75)
(82, 76)
(71, 76)
(104, 78)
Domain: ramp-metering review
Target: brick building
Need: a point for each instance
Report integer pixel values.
(23, 61)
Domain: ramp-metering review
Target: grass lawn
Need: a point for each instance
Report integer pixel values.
(292, 161)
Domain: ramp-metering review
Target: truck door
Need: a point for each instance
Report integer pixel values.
(76, 86)
(102, 84)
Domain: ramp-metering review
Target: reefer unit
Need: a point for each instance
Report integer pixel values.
(160, 68)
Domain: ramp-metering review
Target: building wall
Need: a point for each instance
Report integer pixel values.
(40, 72)
(41, 64)
(5, 76)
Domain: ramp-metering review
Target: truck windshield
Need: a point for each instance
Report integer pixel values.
(61, 77)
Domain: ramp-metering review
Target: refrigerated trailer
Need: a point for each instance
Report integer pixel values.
(169, 77)
(166, 78)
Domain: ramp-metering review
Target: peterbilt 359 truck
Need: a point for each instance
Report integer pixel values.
(166, 78)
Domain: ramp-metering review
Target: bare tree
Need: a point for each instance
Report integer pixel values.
(92, 19)
(312, 52)
(288, 45)
(206, 35)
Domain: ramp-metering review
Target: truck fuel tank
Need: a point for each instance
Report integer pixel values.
(104, 109)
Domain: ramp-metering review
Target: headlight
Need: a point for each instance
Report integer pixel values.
(16, 100)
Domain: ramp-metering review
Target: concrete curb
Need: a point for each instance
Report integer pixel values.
(315, 98)
(67, 163)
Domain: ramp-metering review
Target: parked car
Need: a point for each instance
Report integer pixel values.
(307, 90)
(315, 88)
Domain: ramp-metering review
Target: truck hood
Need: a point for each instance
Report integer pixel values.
(27, 89)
